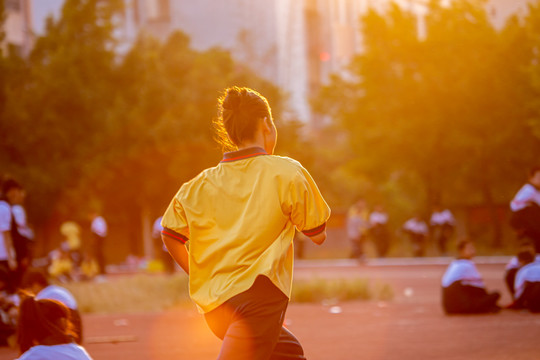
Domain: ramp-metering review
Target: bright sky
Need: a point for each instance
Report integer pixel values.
(41, 9)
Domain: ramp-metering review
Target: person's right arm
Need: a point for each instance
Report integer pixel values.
(319, 238)
(178, 252)
(175, 232)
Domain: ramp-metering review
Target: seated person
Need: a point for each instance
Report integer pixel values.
(37, 283)
(8, 310)
(514, 265)
(527, 284)
(463, 290)
(45, 331)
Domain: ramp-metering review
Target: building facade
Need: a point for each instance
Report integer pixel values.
(297, 44)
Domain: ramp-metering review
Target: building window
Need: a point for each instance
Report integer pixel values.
(158, 10)
(14, 5)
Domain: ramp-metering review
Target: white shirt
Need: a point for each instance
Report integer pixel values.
(99, 226)
(378, 218)
(58, 293)
(156, 229)
(441, 218)
(528, 273)
(514, 262)
(464, 271)
(19, 214)
(70, 351)
(416, 226)
(5, 225)
(526, 194)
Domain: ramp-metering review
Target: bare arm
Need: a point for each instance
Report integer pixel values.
(319, 238)
(178, 252)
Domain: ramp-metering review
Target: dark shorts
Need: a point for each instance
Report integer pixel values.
(466, 299)
(251, 325)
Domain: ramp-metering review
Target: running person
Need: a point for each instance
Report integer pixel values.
(240, 219)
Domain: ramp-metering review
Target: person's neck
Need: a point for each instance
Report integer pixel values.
(258, 141)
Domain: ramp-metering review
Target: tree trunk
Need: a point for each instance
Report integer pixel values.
(146, 227)
(492, 208)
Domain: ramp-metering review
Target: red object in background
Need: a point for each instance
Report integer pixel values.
(324, 56)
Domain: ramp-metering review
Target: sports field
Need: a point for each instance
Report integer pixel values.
(412, 326)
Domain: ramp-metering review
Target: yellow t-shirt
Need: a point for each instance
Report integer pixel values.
(240, 219)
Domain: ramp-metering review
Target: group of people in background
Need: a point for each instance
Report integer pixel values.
(74, 261)
(463, 289)
(40, 318)
(363, 225)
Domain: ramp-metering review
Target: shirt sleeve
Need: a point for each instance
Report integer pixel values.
(309, 211)
(523, 196)
(174, 221)
(5, 218)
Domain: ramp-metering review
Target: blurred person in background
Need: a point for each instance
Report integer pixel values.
(525, 206)
(357, 228)
(513, 266)
(8, 261)
(45, 331)
(378, 222)
(527, 282)
(161, 249)
(22, 235)
(99, 230)
(463, 289)
(442, 224)
(418, 231)
(240, 219)
(72, 235)
(9, 303)
(36, 282)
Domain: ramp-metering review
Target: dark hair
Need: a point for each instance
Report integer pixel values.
(43, 322)
(526, 256)
(534, 170)
(32, 277)
(10, 184)
(462, 243)
(239, 108)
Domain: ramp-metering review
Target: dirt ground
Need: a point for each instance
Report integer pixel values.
(412, 326)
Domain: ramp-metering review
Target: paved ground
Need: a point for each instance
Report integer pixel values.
(412, 326)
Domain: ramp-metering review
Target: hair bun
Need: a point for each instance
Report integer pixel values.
(233, 99)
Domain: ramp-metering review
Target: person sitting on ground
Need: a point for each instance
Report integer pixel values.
(463, 290)
(61, 267)
(527, 284)
(45, 331)
(37, 283)
(9, 303)
(514, 265)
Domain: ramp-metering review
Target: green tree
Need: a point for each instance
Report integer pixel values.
(444, 111)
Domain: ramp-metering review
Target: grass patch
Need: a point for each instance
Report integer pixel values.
(335, 290)
(134, 293)
(147, 292)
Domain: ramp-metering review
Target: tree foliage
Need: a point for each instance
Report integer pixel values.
(84, 128)
(447, 110)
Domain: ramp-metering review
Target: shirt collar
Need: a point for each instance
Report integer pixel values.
(243, 154)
